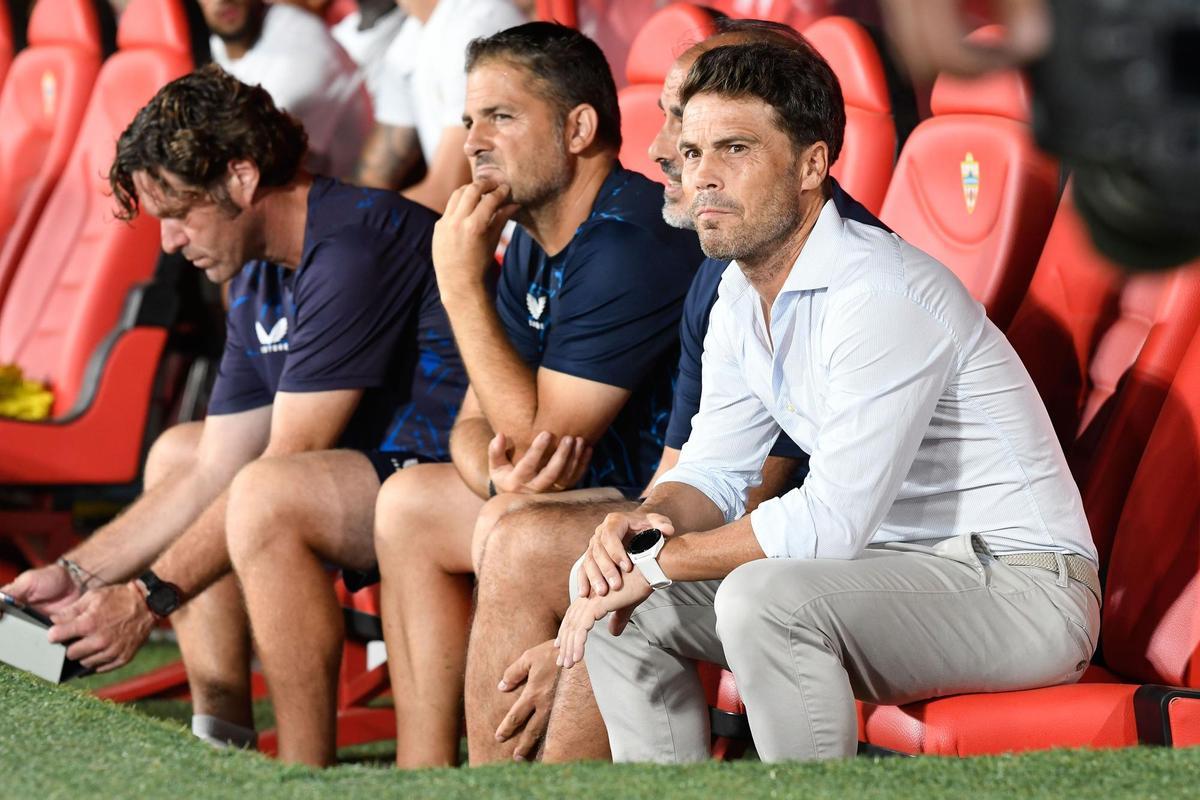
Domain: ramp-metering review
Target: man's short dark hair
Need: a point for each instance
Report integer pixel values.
(796, 82)
(568, 67)
(194, 127)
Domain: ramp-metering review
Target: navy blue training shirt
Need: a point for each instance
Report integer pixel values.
(362, 311)
(694, 325)
(607, 309)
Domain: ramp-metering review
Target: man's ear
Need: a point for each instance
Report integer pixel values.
(814, 166)
(580, 128)
(243, 182)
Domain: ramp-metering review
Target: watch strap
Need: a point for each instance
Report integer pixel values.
(652, 572)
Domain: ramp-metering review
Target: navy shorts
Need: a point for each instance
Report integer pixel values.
(386, 464)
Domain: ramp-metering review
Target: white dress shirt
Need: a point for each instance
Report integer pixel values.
(921, 420)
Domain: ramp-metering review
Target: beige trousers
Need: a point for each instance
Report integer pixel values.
(804, 638)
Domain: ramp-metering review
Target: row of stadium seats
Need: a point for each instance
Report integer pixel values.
(69, 312)
(1107, 352)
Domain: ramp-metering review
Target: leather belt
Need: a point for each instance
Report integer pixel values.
(1078, 567)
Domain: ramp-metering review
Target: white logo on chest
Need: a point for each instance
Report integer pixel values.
(537, 307)
(272, 342)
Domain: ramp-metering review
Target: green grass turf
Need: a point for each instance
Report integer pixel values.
(61, 742)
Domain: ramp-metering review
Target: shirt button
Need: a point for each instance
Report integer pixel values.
(791, 408)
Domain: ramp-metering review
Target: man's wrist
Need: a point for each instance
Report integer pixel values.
(80, 576)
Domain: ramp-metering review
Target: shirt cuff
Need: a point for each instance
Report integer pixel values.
(728, 501)
(771, 523)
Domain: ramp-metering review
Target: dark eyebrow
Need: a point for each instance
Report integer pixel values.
(684, 144)
(728, 140)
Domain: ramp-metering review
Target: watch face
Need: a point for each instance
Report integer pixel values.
(644, 541)
(163, 599)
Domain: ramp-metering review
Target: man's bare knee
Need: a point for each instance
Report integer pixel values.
(174, 448)
(261, 509)
(406, 496)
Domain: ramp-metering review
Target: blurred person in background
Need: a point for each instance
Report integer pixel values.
(290, 53)
(366, 34)
(418, 111)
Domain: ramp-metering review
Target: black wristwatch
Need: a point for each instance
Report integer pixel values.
(162, 597)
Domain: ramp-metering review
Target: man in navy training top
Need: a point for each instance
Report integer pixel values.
(336, 339)
(572, 362)
(512, 722)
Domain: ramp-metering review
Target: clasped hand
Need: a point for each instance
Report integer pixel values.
(607, 583)
(537, 470)
(465, 238)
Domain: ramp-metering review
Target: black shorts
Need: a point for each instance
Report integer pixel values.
(386, 464)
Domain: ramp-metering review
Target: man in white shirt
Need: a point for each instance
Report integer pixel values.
(938, 545)
(418, 112)
(290, 53)
(366, 34)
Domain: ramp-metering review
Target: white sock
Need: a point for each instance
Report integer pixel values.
(220, 733)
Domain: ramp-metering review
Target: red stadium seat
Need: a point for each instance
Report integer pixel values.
(62, 320)
(1102, 350)
(1151, 627)
(797, 13)
(868, 156)
(565, 12)
(42, 105)
(972, 189)
(6, 40)
(662, 39)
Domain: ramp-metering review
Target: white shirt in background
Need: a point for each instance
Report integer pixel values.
(310, 76)
(368, 48)
(425, 80)
(921, 420)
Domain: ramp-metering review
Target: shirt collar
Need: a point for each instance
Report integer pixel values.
(817, 263)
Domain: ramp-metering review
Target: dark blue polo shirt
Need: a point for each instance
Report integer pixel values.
(607, 309)
(696, 310)
(361, 311)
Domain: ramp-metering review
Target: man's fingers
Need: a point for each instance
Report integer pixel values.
(516, 673)
(619, 619)
(526, 467)
(555, 470)
(527, 742)
(498, 452)
(521, 711)
(603, 556)
(595, 576)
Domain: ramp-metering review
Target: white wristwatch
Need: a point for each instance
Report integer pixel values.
(643, 549)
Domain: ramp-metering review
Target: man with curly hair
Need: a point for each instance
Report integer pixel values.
(339, 369)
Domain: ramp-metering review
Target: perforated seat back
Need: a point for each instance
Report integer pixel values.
(1151, 619)
(663, 38)
(42, 106)
(81, 262)
(971, 189)
(868, 156)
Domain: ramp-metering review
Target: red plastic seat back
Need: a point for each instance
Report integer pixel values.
(6, 40)
(868, 156)
(661, 40)
(797, 13)
(81, 261)
(972, 190)
(1151, 618)
(1102, 350)
(42, 105)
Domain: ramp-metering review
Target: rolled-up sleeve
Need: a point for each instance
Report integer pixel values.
(887, 361)
(731, 433)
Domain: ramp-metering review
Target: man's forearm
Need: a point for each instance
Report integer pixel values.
(200, 556)
(469, 441)
(710, 555)
(127, 545)
(688, 508)
(505, 386)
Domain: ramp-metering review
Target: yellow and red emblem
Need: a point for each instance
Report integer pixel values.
(49, 93)
(970, 181)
